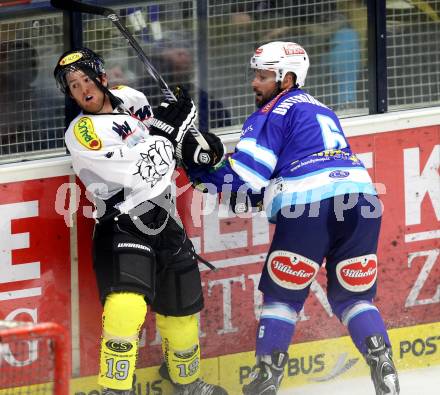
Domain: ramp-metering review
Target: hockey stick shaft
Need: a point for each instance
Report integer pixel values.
(71, 5)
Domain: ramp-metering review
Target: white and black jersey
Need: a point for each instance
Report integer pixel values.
(112, 152)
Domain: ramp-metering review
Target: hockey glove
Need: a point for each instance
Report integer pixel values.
(239, 202)
(193, 154)
(173, 119)
(244, 201)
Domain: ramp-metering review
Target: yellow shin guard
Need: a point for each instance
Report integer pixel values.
(180, 345)
(123, 316)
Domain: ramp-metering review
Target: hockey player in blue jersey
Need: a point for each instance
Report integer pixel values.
(324, 206)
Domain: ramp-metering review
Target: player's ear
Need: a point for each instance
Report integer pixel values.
(104, 80)
(289, 80)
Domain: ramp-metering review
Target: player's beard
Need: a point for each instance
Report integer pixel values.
(260, 102)
(95, 106)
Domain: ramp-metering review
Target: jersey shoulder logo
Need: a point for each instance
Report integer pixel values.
(85, 134)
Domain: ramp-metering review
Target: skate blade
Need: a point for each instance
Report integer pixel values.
(391, 382)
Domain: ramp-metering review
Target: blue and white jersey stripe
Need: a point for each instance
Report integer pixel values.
(353, 311)
(315, 186)
(250, 175)
(257, 152)
(279, 311)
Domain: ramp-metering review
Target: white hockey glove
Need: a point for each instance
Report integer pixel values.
(173, 119)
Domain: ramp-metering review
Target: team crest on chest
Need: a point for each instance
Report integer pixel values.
(156, 162)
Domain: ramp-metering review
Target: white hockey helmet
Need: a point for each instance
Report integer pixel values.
(282, 57)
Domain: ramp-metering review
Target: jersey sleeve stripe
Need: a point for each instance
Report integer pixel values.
(255, 180)
(258, 153)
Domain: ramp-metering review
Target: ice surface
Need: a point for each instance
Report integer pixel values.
(424, 381)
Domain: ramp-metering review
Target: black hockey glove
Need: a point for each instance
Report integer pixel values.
(193, 154)
(173, 119)
(239, 202)
(242, 202)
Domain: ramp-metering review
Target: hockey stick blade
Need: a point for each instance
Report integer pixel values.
(76, 6)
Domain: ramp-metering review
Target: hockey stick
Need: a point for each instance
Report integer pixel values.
(71, 5)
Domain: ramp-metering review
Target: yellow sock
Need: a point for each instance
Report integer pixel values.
(122, 318)
(180, 346)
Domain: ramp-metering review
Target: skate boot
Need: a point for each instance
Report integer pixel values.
(109, 391)
(267, 375)
(198, 387)
(383, 372)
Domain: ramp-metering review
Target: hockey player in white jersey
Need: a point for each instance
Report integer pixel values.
(141, 253)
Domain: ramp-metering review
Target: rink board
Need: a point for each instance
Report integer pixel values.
(46, 272)
(311, 362)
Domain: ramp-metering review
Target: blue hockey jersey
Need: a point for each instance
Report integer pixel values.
(295, 150)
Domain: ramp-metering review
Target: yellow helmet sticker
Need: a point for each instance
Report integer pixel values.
(71, 58)
(85, 134)
(118, 87)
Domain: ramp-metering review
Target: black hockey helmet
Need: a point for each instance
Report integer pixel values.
(77, 59)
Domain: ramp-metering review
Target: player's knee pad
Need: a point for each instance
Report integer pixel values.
(123, 316)
(124, 313)
(179, 292)
(180, 345)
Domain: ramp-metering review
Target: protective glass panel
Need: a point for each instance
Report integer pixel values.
(32, 109)
(413, 53)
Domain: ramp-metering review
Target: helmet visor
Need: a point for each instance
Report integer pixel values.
(260, 75)
(62, 73)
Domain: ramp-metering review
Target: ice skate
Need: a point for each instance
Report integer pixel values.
(109, 391)
(267, 375)
(197, 387)
(383, 372)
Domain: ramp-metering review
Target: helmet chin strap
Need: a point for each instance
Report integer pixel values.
(115, 102)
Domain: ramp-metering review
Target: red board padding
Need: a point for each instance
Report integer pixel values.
(35, 253)
(8, 3)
